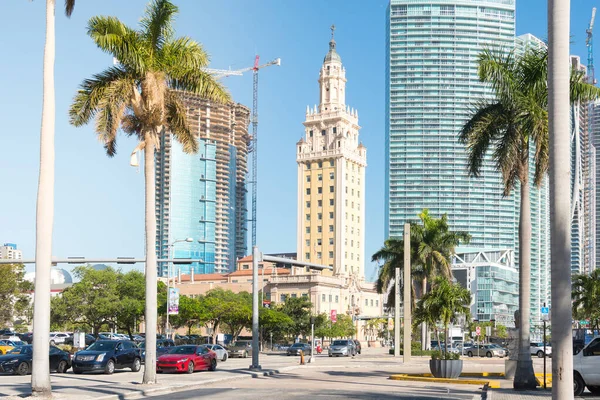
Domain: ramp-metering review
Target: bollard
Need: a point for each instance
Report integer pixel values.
(302, 358)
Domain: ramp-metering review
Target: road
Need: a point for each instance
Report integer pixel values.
(324, 383)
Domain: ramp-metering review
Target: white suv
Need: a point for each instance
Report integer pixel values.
(537, 349)
(58, 337)
(586, 368)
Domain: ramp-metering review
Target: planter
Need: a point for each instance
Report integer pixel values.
(445, 368)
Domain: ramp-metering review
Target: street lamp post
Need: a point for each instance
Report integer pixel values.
(170, 248)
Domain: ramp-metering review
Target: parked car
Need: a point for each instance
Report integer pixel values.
(110, 336)
(108, 355)
(342, 348)
(26, 337)
(7, 345)
(358, 346)
(586, 367)
(89, 339)
(485, 350)
(221, 351)
(296, 348)
(538, 349)
(241, 348)
(58, 337)
(187, 358)
(18, 360)
(162, 347)
(451, 349)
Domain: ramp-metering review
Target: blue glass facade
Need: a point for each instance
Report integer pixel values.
(186, 206)
(432, 86)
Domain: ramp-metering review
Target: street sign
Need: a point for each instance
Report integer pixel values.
(333, 316)
(488, 331)
(545, 310)
(478, 331)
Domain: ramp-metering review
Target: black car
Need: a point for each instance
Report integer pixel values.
(89, 339)
(358, 346)
(108, 355)
(294, 350)
(18, 360)
(26, 337)
(162, 347)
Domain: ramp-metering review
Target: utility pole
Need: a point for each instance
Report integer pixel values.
(406, 302)
(559, 13)
(255, 260)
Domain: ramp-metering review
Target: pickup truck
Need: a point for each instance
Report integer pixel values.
(586, 368)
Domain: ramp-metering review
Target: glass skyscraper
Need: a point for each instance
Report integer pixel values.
(186, 205)
(203, 196)
(432, 88)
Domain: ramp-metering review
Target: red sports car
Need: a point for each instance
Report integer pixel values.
(188, 359)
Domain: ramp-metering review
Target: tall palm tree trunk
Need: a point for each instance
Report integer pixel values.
(524, 376)
(424, 333)
(560, 219)
(40, 374)
(151, 271)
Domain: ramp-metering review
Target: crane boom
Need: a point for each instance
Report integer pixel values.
(589, 42)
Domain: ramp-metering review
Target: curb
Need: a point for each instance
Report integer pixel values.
(418, 378)
(152, 391)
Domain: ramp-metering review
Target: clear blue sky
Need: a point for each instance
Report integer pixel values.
(100, 201)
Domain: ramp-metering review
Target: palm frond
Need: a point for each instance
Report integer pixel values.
(580, 90)
(182, 55)
(200, 83)
(87, 100)
(122, 42)
(509, 156)
(480, 132)
(69, 6)
(157, 23)
(176, 118)
(497, 69)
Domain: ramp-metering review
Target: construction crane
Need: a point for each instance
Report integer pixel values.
(590, 47)
(221, 73)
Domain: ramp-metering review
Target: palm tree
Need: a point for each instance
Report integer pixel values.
(515, 124)
(444, 303)
(432, 246)
(141, 94)
(40, 374)
(586, 298)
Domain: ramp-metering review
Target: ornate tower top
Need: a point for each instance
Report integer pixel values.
(332, 55)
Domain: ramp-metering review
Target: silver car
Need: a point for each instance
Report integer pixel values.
(342, 348)
(220, 350)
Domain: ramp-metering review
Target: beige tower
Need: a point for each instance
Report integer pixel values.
(331, 177)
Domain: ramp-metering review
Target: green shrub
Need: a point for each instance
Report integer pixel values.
(438, 355)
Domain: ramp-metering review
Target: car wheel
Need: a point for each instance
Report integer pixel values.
(470, 354)
(578, 384)
(224, 357)
(77, 371)
(488, 354)
(63, 366)
(594, 389)
(331, 355)
(540, 354)
(52, 342)
(137, 365)
(190, 369)
(110, 367)
(23, 369)
(213, 365)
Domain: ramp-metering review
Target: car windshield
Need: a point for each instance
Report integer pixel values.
(183, 350)
(340, 343)
(241, 344)
(17, 343)
(298, 345)
(103, 345)
(20, 350)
